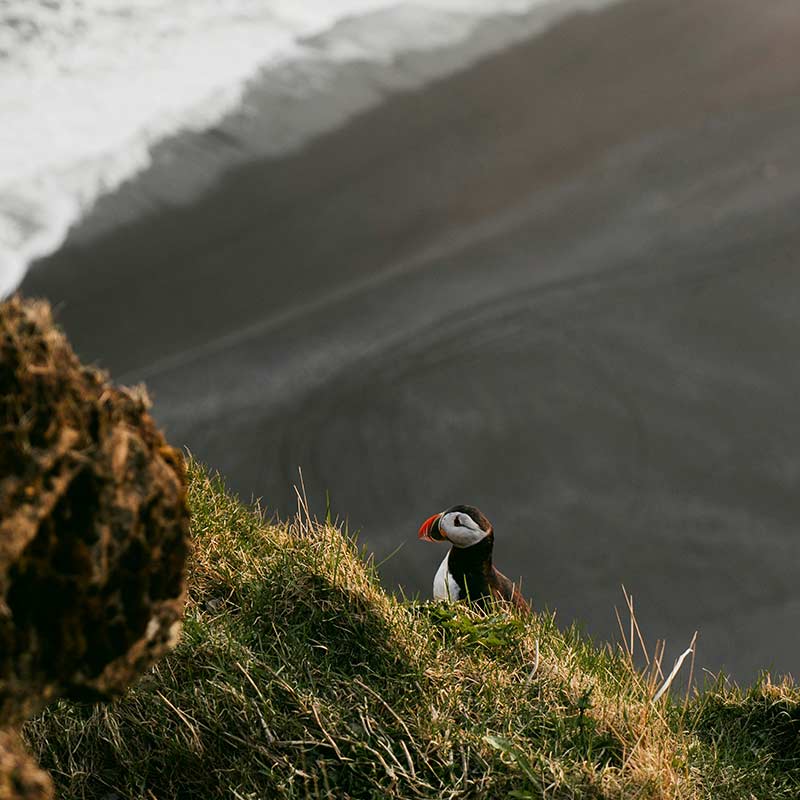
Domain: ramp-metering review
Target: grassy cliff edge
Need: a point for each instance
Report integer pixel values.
(299, 677)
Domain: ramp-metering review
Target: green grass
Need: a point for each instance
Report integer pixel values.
(298, 677)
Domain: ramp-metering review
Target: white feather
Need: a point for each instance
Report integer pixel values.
(444, 585)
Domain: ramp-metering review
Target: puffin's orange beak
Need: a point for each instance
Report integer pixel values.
(430, 529)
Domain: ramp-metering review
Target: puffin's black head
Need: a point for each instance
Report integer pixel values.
(463, 526)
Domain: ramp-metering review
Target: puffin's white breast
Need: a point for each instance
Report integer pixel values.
(444, 585)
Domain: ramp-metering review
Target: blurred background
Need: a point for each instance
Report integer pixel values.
(538, 257)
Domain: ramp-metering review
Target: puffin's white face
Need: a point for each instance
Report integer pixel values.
(461, 529)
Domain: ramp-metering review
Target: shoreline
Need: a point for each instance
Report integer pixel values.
(286, 105)
(286, 80)
(552, 285)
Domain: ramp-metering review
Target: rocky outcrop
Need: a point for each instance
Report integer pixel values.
(20, 777)
(93, 524)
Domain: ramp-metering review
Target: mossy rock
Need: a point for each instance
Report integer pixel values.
(20, 777)
(93, 524)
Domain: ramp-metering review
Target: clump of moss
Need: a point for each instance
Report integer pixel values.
(93, 534)
(93, 523)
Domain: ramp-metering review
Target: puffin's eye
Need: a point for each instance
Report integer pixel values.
(457, 522)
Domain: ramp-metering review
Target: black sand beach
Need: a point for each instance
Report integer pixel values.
(562, 285)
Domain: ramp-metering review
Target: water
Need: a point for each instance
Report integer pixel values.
(87, 87)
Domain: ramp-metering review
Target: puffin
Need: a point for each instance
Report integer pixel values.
(467, 572)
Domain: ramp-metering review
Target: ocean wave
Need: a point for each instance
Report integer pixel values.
(87, 87)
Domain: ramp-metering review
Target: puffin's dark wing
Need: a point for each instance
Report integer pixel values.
(503, 588)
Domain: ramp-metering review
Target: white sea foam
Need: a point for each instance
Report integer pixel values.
(88, 86)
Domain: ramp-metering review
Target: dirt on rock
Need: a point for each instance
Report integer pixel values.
(93, 524)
